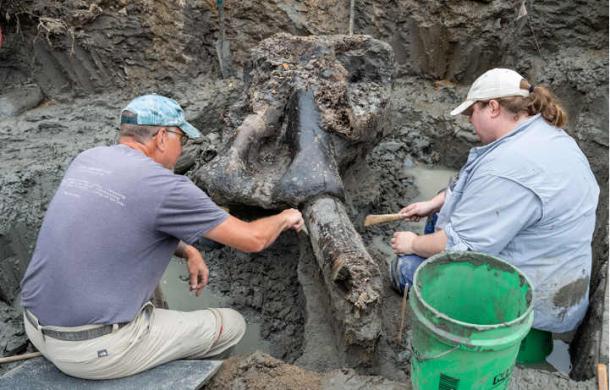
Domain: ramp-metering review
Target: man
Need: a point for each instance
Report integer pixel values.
(527, 195)
(109, 232)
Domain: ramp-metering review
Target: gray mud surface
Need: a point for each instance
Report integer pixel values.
(68, 67)
(265, 286)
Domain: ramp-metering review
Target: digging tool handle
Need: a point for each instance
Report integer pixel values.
(381, 218)
(602, 376)
(17, 358)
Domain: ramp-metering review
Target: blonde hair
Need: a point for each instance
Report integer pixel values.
(540, 101)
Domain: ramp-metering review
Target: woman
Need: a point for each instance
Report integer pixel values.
(527, 195)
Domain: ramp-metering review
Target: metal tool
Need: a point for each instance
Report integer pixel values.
(222, 46)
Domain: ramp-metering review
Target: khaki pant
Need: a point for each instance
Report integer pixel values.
(154, 337)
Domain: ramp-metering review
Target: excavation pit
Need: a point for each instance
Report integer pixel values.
(79, 82)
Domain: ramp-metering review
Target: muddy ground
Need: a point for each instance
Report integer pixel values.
(68, 67)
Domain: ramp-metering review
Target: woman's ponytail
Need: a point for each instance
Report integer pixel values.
(542, 100)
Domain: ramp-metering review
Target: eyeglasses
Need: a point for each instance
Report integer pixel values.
(183, 137)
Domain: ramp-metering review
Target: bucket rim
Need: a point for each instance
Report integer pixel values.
(478, 327)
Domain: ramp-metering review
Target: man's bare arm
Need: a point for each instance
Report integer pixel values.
(256, 235)
(181, 250)
(198, 269)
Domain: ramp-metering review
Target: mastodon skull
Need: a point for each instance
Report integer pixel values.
(311, 107)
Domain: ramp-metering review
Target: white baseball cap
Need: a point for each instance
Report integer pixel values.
(495, 83)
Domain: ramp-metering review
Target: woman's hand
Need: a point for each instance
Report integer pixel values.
(402, 243)
(418, 210)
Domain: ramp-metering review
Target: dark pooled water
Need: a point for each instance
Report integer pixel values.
(178, 297)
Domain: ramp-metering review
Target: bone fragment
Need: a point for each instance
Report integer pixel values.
(350, 274)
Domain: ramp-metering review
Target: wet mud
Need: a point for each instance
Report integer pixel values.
(65, 78)
(572, 293)
(264, 287)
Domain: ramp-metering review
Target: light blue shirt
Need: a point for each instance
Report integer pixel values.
(530, 198)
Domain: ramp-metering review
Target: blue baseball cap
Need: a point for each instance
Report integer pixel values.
(157, 110)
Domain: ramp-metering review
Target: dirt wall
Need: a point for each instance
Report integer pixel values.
(81, 61)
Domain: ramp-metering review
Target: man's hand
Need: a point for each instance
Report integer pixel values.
(402, 243)
(294, 219)
(418, 210)
(198, 270)
(256, 235)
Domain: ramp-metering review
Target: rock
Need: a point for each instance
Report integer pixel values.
(590, 346)
(391, 146)
(39, 373)
(349, 379)
(13, 339)
(408, 163)
(259, 371)
(14, 256)
(530, 379)
(14, 102)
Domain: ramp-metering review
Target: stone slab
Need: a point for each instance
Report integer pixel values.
(39, 373)
(20, 99)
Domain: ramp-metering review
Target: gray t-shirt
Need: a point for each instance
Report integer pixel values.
(108, 235)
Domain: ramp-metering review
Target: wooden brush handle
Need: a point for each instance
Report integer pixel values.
(381, 218)
(17, 358)
(602, 377)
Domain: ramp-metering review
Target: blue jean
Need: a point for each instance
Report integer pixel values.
(406, 267)
(408, 264)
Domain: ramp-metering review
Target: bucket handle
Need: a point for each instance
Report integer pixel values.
(421, 357)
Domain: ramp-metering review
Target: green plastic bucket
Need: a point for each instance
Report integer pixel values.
(469, 313)
(535, 347)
